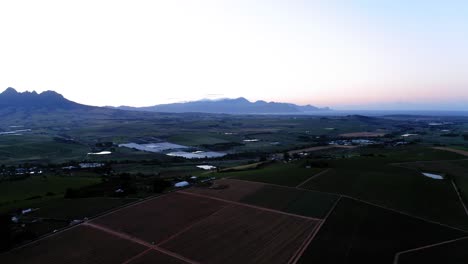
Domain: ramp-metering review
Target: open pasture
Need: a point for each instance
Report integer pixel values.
(238, 234)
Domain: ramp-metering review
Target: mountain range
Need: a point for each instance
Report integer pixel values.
(49, 100)
(228, 106)
(10, 98)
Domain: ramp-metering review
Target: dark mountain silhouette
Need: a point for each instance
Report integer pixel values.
(10, 98)
(228, 106)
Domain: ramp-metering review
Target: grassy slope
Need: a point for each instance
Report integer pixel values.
(38, 148)
(13, 191)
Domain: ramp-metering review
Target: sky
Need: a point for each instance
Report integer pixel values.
(348, 54)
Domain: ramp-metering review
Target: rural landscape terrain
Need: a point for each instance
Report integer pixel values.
(83, 184)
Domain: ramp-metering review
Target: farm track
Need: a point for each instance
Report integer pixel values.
(403, 213)
(398, 164)
(311, 149)
(397, 255)
(260, 237)
(250, 206)
(172, 212)
(460, 196)
(139, 241)
(458, 151)
(286, 187)
(367, 202)
(311, 178)
(137, 256)
(295, 258)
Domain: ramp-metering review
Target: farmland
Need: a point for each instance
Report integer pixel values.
(307, 203)
(175, 219)
(446, 252)
(229, 189)
(278, 173)
(262, 237)
(351, 232)
(153, 256)
(291, 188)
(171, 212)
(377, 180)
(37, 187)
(77, 245)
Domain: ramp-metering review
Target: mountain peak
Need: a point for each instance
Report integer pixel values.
(29, 100)
(241, 100)
(9, 90)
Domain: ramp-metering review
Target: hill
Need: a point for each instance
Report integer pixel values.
(228, 106)
(10, 98)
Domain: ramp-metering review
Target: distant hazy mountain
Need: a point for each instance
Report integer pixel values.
(228, 106)
(10, 98)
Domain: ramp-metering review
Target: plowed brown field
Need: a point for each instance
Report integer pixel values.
(78, 245)
(158, 219)
(234, 191)
(238, 234)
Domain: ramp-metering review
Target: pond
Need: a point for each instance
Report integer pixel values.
(433, 176)
(196, 154)
(153, 147)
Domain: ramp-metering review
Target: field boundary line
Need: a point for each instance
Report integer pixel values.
(398, 254)
(190, 226)
(140, 201)
(367, 202)
(249, 205)
(421, 161)
(319, 148)
(449, 149)
(295, 258)
(115, 209)
(407, 214)
(460, 197)
(137, 256)
(139, 241)
(313, 177)
(282, 186)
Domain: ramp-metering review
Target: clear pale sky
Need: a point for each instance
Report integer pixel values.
(342, 54)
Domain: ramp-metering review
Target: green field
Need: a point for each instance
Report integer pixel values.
(80, 208)
(376, 180)
(196, 139)
(454, 253)
(357, 232)
(301, 202)
(38, 149)
(290, 174)
(36, 187)
(452, 170)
